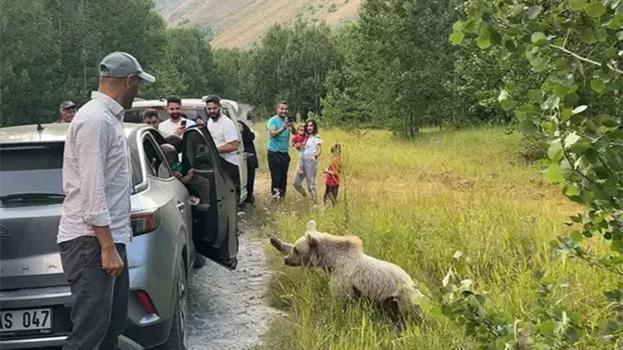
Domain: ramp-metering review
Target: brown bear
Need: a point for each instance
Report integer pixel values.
(353, 273)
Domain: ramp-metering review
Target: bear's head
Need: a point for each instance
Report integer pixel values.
(303, 250)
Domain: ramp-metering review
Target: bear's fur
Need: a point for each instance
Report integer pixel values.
(353, 273)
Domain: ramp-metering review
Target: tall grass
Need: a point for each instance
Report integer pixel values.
(415, 204)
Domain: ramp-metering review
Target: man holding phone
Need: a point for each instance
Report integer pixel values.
(176, 124)
(279, 130)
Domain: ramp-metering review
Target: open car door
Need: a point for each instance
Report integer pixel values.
(214, 218)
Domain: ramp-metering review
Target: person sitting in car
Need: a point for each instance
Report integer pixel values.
(172, 158)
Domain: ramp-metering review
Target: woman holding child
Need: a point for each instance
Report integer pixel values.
(308, 144)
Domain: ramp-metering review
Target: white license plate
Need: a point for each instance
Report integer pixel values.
(25, 320)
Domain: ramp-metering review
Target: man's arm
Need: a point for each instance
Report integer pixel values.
(92, 139)
(228, 147)
(231, 138)
(274, 131)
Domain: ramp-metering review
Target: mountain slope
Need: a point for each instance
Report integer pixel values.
(241, 23)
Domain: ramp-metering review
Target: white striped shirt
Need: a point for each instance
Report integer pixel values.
(96, 172)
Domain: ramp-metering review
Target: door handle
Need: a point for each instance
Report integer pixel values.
(181, 206)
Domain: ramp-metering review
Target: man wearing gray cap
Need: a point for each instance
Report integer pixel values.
(68, 111)
(95, 220)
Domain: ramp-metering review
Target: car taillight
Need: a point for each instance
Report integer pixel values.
(145, 221)
(145, 301)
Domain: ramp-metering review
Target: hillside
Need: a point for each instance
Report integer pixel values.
(241, 23)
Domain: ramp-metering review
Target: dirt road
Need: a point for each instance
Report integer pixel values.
(227, 309)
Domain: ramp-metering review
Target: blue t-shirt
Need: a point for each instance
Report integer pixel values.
(281, 142)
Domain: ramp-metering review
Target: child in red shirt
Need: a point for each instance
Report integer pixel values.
(332, 175)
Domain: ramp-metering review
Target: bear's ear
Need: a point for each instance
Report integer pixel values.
(311, 226)
(312, 240)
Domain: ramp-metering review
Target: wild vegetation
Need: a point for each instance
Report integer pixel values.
(465, 215)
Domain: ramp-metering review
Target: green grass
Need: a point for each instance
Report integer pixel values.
(415, 204)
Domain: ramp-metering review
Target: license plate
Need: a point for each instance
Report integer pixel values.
(25, 320)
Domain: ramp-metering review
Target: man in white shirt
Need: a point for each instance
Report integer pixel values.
(176, 124)
(225, 135)
(95, 219)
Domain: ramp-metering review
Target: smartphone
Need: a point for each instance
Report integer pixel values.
(183, 123)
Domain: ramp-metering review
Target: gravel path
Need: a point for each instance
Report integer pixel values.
(227, 308)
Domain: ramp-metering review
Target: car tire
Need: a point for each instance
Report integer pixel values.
(178, 335)
(200, 261)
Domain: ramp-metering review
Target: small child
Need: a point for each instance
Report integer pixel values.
(332, 174)
(298, 142)
(172, 158)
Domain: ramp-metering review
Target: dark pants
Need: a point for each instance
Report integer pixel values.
(234, 174)
(330, 193)
(278, 163)
(100, 306)
(250, 182)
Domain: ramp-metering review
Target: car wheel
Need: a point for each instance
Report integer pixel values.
(200, 260)
(178, 336)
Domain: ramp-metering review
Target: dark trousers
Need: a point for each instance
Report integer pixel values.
(234, 174)
(278, 163)
(250, 181)
(100, 306)
(330, 193)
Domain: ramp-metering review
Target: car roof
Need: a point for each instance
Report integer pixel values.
(55, 132)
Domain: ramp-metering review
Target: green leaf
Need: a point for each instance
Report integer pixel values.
(598, 86)
(534, 11)
(458, 26)
(554, 151)
(553, 173)
(571, 139)
(588, 36)
(577, 5)
(560, 90)
(456, 38)
(595, 9)
(538, 37)
(538, 64)
(505, 100)
(483, 42)
(527, 127)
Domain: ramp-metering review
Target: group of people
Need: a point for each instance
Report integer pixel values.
(223, 130)
(95, 219)
(307, 142)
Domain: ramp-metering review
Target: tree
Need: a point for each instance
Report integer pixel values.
(575, 49)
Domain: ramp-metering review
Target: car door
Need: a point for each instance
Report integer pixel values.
(214, 218)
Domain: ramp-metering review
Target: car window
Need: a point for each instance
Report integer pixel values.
(31, 169)
(154, 159)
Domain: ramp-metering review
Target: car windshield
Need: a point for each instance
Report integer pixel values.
(31, 174)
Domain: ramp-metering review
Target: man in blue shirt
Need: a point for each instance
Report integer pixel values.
(279, 130)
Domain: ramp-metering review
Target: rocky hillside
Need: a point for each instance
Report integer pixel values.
(241, 23)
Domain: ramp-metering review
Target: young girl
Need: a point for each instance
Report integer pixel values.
(309, 161)
(298, 142)
(332, 175)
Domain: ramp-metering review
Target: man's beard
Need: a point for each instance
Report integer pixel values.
(214, 115)
(174, 116)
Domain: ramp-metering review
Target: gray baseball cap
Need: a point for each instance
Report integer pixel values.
(121, 64)
(67, 104)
